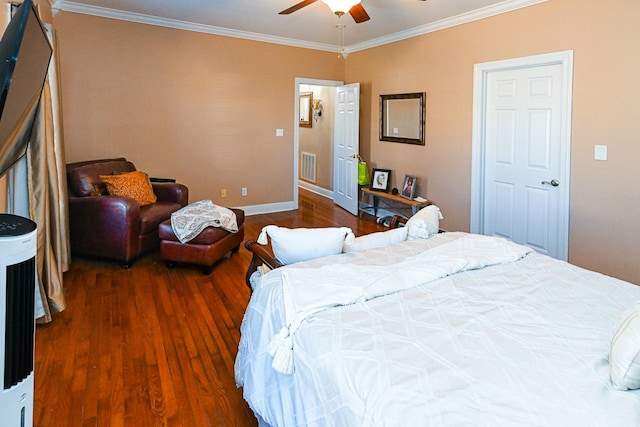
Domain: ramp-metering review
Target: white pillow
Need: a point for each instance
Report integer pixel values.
(301, 244)
(624, 355)
(425, 223)
(377, 240)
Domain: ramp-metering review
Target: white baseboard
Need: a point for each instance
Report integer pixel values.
(315, 189)
(267, 208)
(284, 206)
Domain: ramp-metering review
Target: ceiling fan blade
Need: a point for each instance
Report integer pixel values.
(359, 14)
(297, 6)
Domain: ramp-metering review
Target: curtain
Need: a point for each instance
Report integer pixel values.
(47, 188)
(44, 182)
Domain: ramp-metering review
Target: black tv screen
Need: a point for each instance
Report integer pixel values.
(24, 54)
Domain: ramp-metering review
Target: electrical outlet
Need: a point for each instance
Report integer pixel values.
(244, 191)
(223, 192)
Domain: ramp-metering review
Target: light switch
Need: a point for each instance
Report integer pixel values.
(279, 132)
(600, 152)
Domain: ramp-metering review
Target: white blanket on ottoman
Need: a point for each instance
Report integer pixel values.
(189, 221)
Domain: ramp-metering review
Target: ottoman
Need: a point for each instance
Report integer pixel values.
(205, 249)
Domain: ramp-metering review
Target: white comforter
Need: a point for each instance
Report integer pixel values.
(517, 343)
(309, 290)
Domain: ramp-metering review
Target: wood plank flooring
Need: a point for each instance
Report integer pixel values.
(152, 346)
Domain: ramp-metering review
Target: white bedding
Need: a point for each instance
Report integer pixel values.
(519, 343)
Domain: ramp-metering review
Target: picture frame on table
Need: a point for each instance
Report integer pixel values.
(380, 180)
(409, 187)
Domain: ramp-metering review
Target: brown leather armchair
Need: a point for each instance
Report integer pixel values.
(115, 227)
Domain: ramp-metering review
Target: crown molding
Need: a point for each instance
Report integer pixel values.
(486, 12)
(465, 18)
(104, 12)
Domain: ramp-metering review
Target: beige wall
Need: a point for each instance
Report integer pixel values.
(318, 139)
(200, 108)
(204, 109)
(604, 224)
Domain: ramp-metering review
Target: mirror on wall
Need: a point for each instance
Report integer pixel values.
(402, 118)
(305, 109)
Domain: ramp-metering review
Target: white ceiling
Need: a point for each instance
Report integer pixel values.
(313, 26)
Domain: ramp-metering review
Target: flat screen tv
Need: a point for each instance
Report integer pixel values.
(25, 53)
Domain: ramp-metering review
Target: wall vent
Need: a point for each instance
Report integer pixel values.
(308, 168)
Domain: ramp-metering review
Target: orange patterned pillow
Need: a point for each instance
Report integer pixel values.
(134, 184)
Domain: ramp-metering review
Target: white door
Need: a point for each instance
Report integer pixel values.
(346, 147)
(525, 157)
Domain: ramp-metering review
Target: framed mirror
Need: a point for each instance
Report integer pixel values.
(305, 109)
(402, 118)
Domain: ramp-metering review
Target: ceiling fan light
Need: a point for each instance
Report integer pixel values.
(340, 7)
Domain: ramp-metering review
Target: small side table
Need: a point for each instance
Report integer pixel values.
(389, 200)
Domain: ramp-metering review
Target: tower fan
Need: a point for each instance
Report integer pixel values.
(17, 324)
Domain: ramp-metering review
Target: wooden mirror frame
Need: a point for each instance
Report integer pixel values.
(415, 118)
(306, 99)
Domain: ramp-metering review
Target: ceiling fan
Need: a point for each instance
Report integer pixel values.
(339, 7)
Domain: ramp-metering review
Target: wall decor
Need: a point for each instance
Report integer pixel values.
(306, 99)
(402, 118)
(316, 105)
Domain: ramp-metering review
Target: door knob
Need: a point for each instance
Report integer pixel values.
(554, 182)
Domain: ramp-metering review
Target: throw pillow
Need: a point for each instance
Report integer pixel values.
(377, 240)
(624, 355)
(131, 184)
(292, 245)
(425, 223)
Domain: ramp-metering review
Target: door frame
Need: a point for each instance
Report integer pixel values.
(296, 129)
(480, 74)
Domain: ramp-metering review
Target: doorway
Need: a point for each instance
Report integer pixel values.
(521, 151)
(315, 140)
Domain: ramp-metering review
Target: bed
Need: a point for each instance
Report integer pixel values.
(450, 330)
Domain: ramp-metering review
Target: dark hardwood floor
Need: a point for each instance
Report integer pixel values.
(152, 346)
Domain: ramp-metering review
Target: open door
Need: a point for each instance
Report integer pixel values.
(346, 147)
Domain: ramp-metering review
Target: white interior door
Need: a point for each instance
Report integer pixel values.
(524, 158)
(346, 147)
